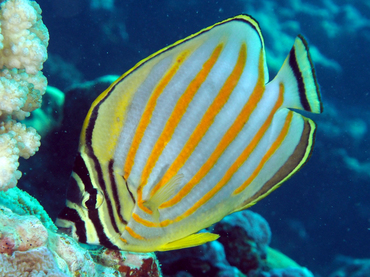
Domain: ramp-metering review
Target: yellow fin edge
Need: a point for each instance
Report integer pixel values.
(189, 241)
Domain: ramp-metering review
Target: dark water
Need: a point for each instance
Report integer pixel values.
(324, 210)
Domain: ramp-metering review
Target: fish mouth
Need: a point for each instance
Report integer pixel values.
(64, 226)
(65, 231)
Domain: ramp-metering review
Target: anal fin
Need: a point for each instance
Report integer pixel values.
(189, 241)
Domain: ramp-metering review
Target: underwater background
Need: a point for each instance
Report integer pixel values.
(318, 217)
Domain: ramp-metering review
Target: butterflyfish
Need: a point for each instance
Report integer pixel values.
(189, 135)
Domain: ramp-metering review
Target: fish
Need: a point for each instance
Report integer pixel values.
(189, 135)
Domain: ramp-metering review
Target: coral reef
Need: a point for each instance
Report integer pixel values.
(242, 250)
(23, 43)
(245, 237)
(20, 233)
(21, 203)
(28, 248)
(130, 264)
(34, 262)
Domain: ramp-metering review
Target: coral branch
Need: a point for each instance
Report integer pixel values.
(23, 42)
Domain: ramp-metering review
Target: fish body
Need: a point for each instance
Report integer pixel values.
(189, 135)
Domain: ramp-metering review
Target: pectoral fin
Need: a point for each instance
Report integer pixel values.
(162, 195)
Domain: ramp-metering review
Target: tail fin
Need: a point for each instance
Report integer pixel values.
(297, 75)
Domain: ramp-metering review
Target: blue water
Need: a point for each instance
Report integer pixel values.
(320, 213)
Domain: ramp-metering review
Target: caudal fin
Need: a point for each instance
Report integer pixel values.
(297, 75)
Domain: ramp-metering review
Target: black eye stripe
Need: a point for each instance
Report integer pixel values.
(73, 192)
(81, 170)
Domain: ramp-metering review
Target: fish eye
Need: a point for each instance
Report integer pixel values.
(92, 200)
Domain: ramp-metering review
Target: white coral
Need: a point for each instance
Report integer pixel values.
(15, 141)
(13, 96)
(23, 42)
(24, 37)
(9, 155)
(20, 93)
(28, 141)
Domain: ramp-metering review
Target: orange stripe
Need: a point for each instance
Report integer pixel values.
(125, 241)
(133, 234)
(229, 136)
(254, 142)
(235, 166)
(252, 145)
(239, 161)
(147, 114)
(150, 224)
(201, 129)
(269, 153)
(207, 119)
(144, 222)
(177, 113)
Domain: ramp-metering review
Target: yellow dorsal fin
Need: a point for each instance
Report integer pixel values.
(163, 194)
(189, 241)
